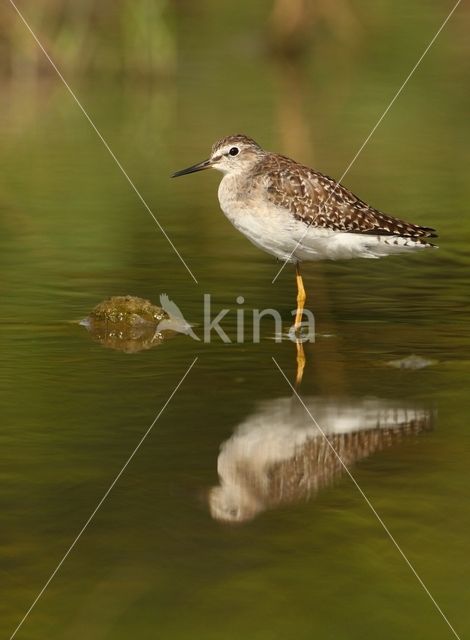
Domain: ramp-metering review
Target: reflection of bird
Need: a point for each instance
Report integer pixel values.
(175, 321)
(296, 213)
(277, 455)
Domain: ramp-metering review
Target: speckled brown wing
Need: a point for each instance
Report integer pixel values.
(318, 201)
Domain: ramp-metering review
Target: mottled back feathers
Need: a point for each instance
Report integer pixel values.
(318, 201)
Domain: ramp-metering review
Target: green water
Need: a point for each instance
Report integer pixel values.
(153, 562)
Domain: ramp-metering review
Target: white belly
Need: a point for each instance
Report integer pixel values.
(277, 232)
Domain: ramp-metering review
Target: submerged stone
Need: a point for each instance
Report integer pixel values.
(128, 310)
(127, 323)
(411, 362)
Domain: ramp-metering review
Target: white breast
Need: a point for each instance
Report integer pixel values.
(268, 227)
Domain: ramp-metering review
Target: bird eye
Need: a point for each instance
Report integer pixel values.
(233, 151)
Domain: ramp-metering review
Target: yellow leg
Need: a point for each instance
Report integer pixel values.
(301, 297)
(300, 363)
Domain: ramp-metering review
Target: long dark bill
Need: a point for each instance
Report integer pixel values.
(193, 168)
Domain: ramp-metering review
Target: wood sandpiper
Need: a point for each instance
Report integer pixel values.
(296, 213)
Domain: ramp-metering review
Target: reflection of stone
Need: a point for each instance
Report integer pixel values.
(127, 323)
(277, 455)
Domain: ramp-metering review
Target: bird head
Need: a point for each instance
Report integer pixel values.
(232, 154)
